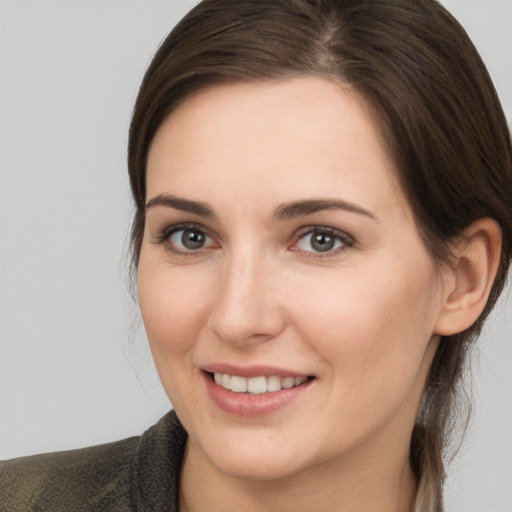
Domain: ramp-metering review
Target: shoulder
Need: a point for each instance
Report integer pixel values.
(74, 480)
(105, 477)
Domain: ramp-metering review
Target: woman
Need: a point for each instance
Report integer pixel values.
(322, 224)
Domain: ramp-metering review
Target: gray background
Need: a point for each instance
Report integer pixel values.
(74, 366)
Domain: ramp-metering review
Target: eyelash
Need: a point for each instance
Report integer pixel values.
(339, 236)
(164, 237)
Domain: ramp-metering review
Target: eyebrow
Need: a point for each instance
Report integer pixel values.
(284, 212)
(178, 203)
(301, 208)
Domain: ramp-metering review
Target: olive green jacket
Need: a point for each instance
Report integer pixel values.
(139, 474)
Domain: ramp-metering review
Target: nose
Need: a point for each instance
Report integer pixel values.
(246, 309)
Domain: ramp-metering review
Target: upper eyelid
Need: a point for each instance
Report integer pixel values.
(327, 229)
(303, 230)
(172, 228)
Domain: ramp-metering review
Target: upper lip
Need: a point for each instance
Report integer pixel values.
(252, 370)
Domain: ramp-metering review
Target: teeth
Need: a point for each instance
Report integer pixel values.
(256, 385)
(288, 382)
(238, 384)
(273, 384)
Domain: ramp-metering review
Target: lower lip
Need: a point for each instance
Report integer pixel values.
(250, 406)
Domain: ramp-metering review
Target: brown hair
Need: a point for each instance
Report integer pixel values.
(437, 109)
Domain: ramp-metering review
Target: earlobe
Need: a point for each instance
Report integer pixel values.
(468, 282)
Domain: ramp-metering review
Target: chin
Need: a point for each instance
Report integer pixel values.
(252, 455)
(256, 467)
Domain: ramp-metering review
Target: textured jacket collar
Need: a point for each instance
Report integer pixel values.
(156, 466)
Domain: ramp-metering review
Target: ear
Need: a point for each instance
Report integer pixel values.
(468, 282)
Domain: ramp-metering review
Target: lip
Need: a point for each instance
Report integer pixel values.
(252, 406)
(251, 371)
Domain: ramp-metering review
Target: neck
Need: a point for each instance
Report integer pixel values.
(351, 485)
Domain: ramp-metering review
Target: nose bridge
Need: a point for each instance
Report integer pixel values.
(245, 307)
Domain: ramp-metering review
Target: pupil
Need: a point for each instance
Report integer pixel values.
(192, 239)
(322, 242)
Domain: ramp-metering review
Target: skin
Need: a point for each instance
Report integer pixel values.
(361, 318)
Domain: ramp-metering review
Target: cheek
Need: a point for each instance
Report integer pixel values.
(368, 327)
(172, 305)
(373, 339)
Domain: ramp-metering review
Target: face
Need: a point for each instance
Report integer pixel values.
(289, 301)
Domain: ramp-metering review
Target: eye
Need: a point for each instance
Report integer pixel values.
(185, 239)
(323, 240)
(189, 239)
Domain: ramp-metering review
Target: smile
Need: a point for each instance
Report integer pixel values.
(256, 385)
(262, 391)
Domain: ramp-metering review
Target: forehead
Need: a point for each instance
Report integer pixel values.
(295, 137)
